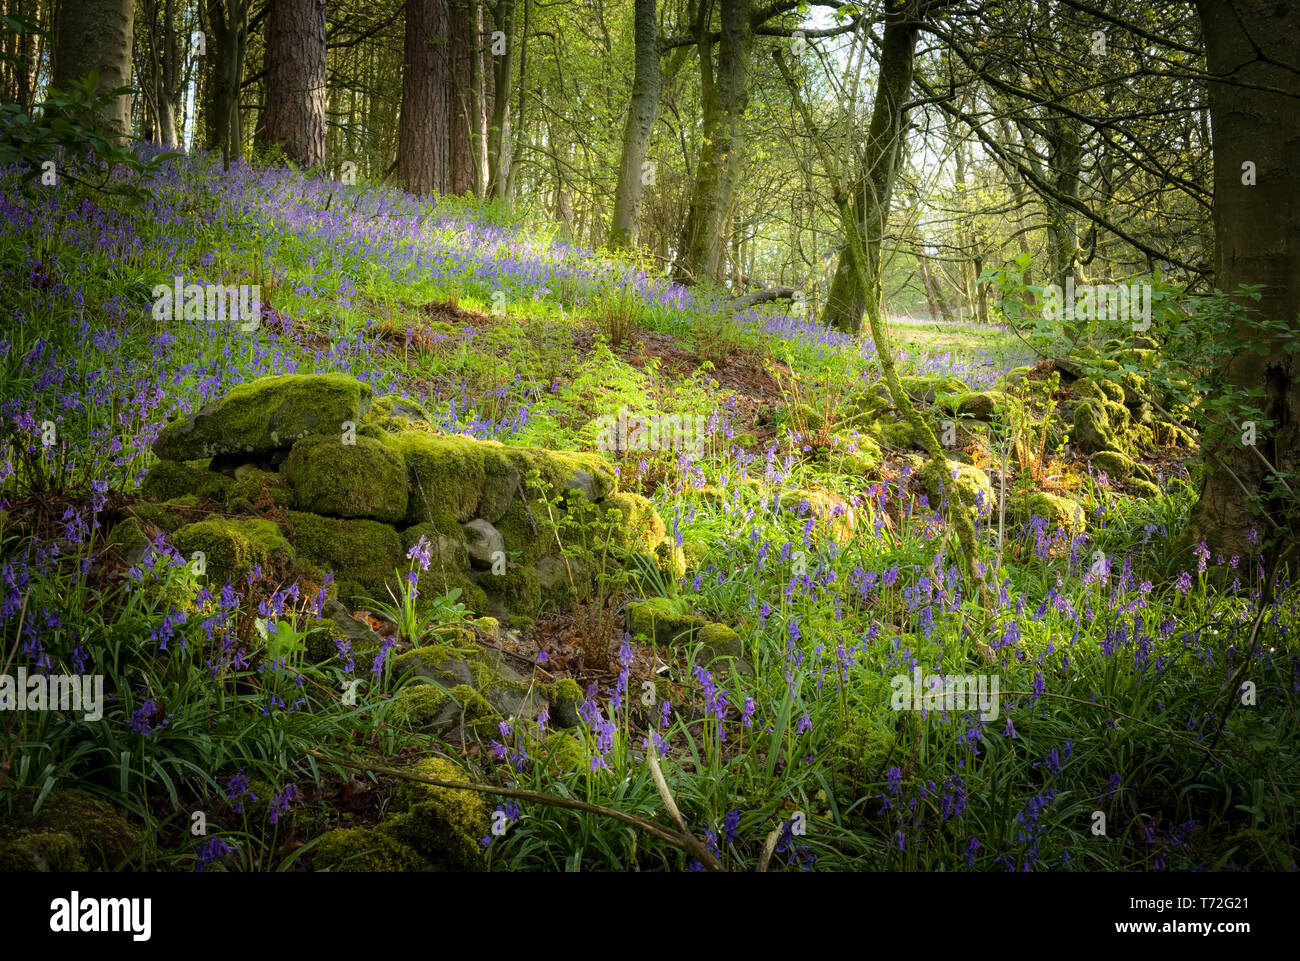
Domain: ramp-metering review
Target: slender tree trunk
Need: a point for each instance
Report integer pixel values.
(517, 153)
(478, 99)
(723, 95)
(462, 55)
(226, 28)
(501, 49)
(423, 132)
(872, 193)
(641, 114)
(295, 80)
(96, 36)
(1257, 241)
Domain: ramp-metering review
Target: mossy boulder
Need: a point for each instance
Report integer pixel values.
(129, 540)
(1092, 428)
(418, 706)
(517, 591)
(266, 415)
(233, 547)
(364, 850)
(167, 479)
(395, 413)
(1121, 467)
(42, 851)
(805, 417)
(365, 479)
(984, 405)
(641, 527)
(257, 491)
(896, 434)
(745, 440)
(364, 551)
(566, 695)
(70, 832)
(927, 388)
(969, 485)
(443, 824)
(662, 620)
(1057, 511)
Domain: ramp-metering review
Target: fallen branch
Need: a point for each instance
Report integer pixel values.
(760, 297)
(688, 844)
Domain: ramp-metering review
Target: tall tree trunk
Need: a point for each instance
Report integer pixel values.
(423, 131)
(479, 69)
(723, 96)
(641, 114)
(1257, 241)
(226, 27)
(501, 49)
(295, 80)
(463, 53)
(873, 190)
(96, 36)
(517, 152)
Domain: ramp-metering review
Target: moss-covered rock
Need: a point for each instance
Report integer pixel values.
(927, 388)
(265, 415)
(394, 413)
(1058, 512)
(443, 824)
(446, 476)
(969, 485)
(101, 839)
(896, 434)
(364, 849)
(1143, 488)
(233, 547)
(167, 479)
(1121, 467)
(662, 620)
(745, 440)
(128, 539)
(257, 491)
(364, 551)
(641, 526)
(805, 417)
(418, 706)
(43, 851)
(1092, 429)
(984, 405)
(364, 479)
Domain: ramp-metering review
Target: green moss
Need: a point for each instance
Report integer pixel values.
(44, 851)
(1058, 512)
(642, 527)
(671, 560)
(1121, 467)
(258, 491)
(394, 413)
(659, 619)
(562, 753)
(347, 592)
(128, 538)
(364, 849)
(417, 705)
(167, 479)
(365, 479)
(984, 405)
(446, 477)
(745, 440)
(970, 486)
(896, 434)
(805, 417)
(518, 590)
(721, 640)
(442, 824)
(566, 689)
(233, 547)
(364, 551)
(266, 414)
(1143, 488)
(104, 839)
(1113, 392)
(1092, 429)
(928, 388)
